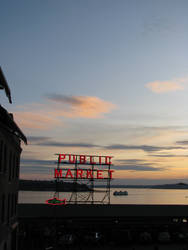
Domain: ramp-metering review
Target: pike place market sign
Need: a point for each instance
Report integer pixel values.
(91, 172)
(93, 167)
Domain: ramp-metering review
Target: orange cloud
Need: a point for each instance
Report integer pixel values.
(166, 86)
(34, 120)
(46, 116)
(87, 107)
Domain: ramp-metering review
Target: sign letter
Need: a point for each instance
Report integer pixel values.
(89, 174)
(99, 174)
(79, 173)
(69, 173)
(91, 160)
(61, 157)
(108, 160)
(58, 173)
(110, 173)
(72, 160)
(82, 159)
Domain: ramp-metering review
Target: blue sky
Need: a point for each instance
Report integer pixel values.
(104, 73)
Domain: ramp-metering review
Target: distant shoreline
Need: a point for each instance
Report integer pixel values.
(30, 185)
(163, 186)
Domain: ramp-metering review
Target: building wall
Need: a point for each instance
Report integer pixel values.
(10, 151)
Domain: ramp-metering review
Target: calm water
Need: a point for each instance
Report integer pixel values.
(135, 196)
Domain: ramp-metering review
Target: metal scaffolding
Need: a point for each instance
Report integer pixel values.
(84, 190)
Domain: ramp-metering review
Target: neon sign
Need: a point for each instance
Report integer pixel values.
(84, 159)
(82, 174)
(55, 201)
(91, 172)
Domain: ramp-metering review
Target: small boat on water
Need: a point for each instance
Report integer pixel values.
(120, 193)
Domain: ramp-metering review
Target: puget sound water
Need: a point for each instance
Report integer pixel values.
(135, 196)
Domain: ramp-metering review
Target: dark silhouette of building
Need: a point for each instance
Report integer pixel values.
(4, 85)
(10, 150)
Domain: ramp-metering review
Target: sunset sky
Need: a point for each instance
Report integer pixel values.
(103, 77)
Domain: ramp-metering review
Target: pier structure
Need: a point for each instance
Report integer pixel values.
(81, 226)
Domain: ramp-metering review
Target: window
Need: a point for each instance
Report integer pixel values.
(12, 205)
(1, 203)
(184, 220)
(5, 158)
(14, 167)
(10, 166)
(17, 166)
(3, 209)
(8, 207)
(15, 203)
(5, 246)
(175, 220)
(1, 156)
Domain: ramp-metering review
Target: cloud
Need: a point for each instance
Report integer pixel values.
(34, 120)
(38, 167)
(157, 25)
(182, 142)
(169, 155)
(48, 115)
(37, 162)
(145, 148)
(166, 86)
(82, 106)
(45, 141)
(37, 138)
(60, 144)
(38, 170)
(72, 100)
(140, 167)
(130, 161)
(136, 165)
(47, 166)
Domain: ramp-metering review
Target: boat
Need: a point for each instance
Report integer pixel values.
(120, 193)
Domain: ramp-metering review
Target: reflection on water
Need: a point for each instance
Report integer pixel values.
(135, 196)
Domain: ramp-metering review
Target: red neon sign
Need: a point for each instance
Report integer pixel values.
(84, 159)
(78, 173)
(82, 174)
(55, 201)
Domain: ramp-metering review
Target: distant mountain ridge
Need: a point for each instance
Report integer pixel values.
(179, 185)
(33, 185)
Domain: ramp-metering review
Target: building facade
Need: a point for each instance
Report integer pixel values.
(10, 150)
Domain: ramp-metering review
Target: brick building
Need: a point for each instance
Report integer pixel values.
(10, 150)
